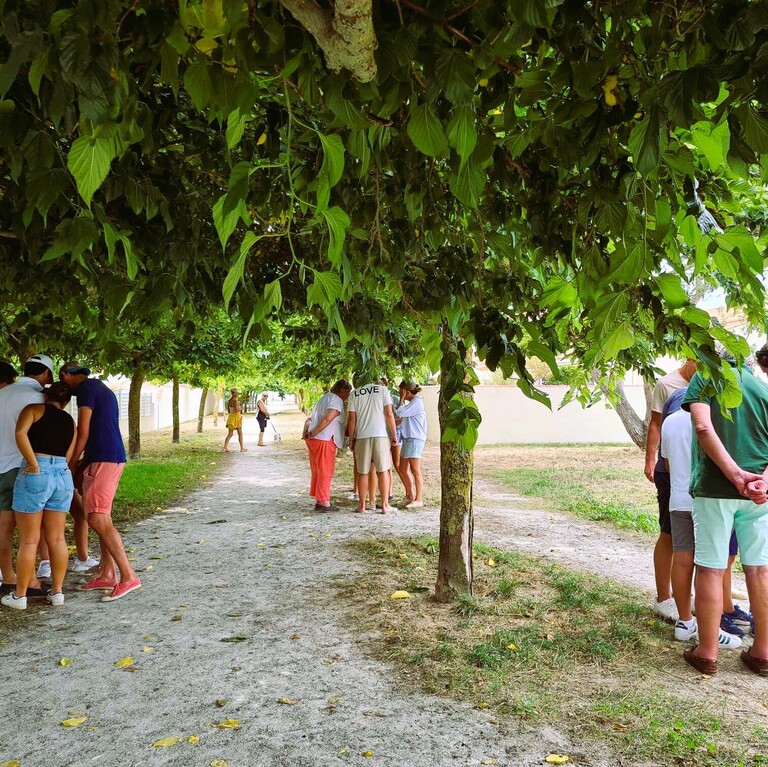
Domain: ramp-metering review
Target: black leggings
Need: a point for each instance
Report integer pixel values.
(262, 419)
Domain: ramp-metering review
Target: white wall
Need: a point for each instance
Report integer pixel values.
(510, 417)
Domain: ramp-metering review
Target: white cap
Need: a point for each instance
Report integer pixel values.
(42, 359)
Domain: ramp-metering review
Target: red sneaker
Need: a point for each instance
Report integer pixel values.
(121, 589)
(98, 584)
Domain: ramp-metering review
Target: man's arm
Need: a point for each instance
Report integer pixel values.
(714, 448)
(351, 424)
(390, 419)
(83, 430)
(652, 444)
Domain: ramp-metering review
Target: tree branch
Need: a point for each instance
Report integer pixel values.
(346, 35)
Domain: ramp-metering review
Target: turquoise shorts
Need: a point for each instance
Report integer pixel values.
(713, 521)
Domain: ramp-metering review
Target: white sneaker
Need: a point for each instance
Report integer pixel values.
(683, 633)
(666, 609)
(414, 505)
(57, 600)
(44, 569)
(83, 566)
(728, 641)
(11, 600)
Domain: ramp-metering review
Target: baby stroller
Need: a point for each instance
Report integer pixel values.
(277, 436)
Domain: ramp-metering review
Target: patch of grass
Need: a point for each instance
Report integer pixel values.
(600, 483)
(541, 642)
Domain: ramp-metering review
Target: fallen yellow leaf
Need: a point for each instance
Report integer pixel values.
(295, 636)
(65, 662)
(171, 740)
(193, 739)
(288, 701)
(124, 662)
(221, 702)
(368, 754)
(11, 763)
(219, 763)
(491, 562)
(512, 646)
(202, 540)
(229, 724)
(176, 618)
(557, 759)
(74, 722)
(400, 595)
(147, 649)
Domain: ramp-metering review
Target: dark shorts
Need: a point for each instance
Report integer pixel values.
(262, 419)
(733, 545)
(661, 480)
(7, 481)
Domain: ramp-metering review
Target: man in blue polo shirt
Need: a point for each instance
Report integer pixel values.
(99, 438)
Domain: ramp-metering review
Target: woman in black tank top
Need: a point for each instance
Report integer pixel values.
(45, 436)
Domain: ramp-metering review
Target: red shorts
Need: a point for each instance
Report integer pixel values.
(100, 481)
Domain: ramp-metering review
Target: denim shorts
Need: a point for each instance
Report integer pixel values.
(412, 448)
(50, 489)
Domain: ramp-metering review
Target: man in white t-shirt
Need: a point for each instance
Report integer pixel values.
(372, 432)
(28, 390)
(656, 472)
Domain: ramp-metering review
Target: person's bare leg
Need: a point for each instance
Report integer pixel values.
(80, 525)
(29, 537)
(361, 487)
(42, 548)
(418, 481)
(757, 587)
(682, 579)
(240, 439)
(111, 544)
(403, 471)
(728, 606)
(709, 608)
(385, 478)
(54, 527)
(230, 432)
(662, 567)
(7, 523)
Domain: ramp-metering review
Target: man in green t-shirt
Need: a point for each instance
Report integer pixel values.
(728, 455)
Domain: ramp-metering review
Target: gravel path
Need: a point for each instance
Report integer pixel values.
(235, 616)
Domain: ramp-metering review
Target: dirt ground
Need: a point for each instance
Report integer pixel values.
(238, 624)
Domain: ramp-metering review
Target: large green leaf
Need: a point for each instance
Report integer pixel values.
(333, 157)
(462, 131)
(338, 223)
(325, 290)
(197, 81)
(88, 161)
(468, 183)
(426, 132)
(237, 270)
(672, 290)
(713, 141)
(645, 143)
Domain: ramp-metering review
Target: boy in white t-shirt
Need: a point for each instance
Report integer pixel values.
(676, 439)
(372, 431)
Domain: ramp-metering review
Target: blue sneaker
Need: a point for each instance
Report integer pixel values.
(740, 617)
(729, 625)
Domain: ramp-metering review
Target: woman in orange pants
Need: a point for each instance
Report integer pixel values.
(324, 434)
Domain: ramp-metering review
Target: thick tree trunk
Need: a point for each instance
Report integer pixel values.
(454, 569)
(219, 395)
(636, 427)
(175, 407)
(134, 414)
(201, 410)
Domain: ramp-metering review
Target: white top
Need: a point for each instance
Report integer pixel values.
(369, 402)
(676, 438)
(665, 386)
(13, 399)
(414, 425)
(335, 428)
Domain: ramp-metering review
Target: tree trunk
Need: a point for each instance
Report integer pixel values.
(175, 408)
(636, 427)
(454, 569)
(201, 411)
(134, 414)
(219, 395)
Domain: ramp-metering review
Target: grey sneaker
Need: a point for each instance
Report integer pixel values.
(57, 600)
(44, 569)
(83, 566)
(14, 602)
(666, 610)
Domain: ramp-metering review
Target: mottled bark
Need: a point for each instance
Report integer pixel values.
(175, 408)
(134, 414)
(636, 427)
(201, 410)
(219, 395)
(454, 569)
(345, 34)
